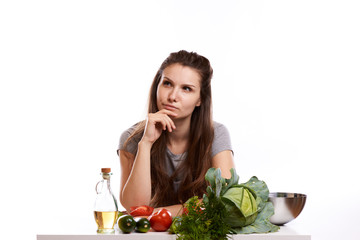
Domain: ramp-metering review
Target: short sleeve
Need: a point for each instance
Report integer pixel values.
(132, 145)
(222, 139)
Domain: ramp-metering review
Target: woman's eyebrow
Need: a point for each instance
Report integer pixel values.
(167, 78)
(185, 84)
(189, 85)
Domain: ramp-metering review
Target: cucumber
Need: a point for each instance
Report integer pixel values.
(126, 223)
(142, 225)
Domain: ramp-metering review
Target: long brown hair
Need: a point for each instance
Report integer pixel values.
(198, 158)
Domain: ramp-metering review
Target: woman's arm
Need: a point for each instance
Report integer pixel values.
(224, 160)
(125, 160)
(135, 186)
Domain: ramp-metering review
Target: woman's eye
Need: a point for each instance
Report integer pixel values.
(166, 83)
(188, 89)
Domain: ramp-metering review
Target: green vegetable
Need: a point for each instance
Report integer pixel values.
(216, 211)
(203, 220)
(247, 204)
(241, 205)
(126, 223)
(174, 228)
(227, 208)
(266, 209)
(262, 223)
(142, 225)
(193, 223)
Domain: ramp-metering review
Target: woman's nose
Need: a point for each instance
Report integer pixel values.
(173, 95)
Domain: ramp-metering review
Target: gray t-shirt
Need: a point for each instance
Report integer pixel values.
(221, 143)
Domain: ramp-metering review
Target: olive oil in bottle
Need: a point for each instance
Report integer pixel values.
(106, 220)
(106, 209)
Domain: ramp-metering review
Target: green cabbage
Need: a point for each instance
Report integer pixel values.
(247, 204)
(241, 206)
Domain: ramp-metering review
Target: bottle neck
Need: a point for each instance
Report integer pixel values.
(106, 176)
(106, 179)
(103, 186)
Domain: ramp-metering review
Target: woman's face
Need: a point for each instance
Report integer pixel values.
(179, 90)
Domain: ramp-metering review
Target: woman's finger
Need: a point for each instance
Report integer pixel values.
(169, 124)
(163, 120)
(170, 119)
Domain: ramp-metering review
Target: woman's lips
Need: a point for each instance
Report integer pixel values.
(169, 107)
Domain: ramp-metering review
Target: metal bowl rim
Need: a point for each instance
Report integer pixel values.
(286, 195)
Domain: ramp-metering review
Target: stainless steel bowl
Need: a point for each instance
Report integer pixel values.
(287, 206)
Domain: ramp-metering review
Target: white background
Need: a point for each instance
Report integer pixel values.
(75, 74)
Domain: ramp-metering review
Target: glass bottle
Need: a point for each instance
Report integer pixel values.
(106, 208)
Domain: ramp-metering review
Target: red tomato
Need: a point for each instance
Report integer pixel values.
(141, 211)
(161, 220)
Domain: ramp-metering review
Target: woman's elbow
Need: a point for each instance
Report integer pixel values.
(132, 201)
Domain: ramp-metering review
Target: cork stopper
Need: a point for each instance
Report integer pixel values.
(106, 170)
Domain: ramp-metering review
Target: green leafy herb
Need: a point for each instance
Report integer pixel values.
(204, 220)
(194, 224)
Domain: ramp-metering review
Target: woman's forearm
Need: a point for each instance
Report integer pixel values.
(137, 189)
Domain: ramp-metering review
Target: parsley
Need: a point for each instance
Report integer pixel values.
(204, 220)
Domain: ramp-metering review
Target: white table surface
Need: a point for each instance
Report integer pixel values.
(285, 233)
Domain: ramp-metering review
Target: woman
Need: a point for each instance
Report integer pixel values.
(165, 157)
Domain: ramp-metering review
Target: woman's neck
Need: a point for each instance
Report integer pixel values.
(179, 137)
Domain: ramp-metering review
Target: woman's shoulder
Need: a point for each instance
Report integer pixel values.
(219, 128)
(131, 146)
(222, 139)
(130, 130)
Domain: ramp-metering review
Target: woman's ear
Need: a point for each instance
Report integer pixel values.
(198, 103)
